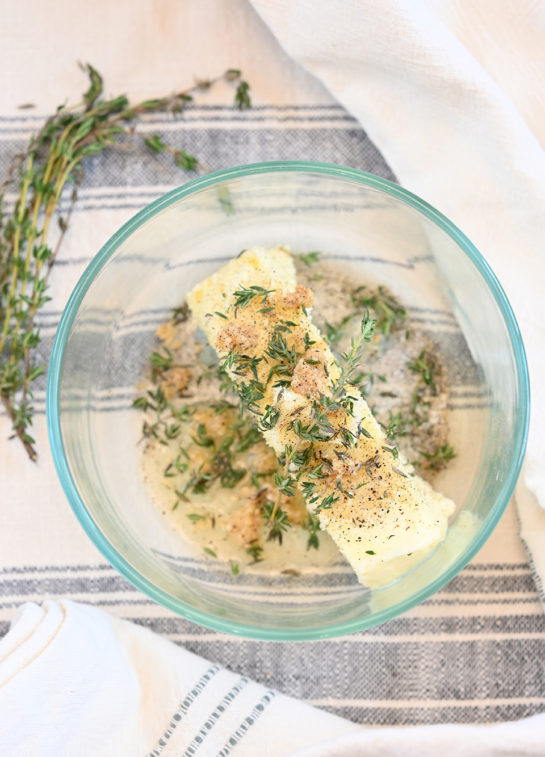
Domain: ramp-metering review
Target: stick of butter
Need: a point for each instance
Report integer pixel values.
(383, 517)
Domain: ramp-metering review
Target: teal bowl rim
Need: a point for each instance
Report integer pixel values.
(63, 331)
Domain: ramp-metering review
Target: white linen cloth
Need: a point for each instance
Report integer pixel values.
(75, 681)
(453, 94)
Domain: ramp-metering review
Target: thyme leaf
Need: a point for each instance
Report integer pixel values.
(245, 295)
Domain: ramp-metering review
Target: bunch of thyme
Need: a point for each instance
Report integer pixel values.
(51, 168)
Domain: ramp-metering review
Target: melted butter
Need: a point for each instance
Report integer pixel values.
(206, 519)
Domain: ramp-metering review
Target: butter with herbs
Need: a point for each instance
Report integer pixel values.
(381, 515)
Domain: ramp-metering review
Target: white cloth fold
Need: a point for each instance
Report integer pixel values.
(453, 95)
(521, 738)
(75, 681)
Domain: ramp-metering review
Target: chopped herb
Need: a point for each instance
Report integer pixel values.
(251, 393)
(243, 363)
(248, 439)
(438, 459)
(328, 502)
(300, 464)
(348, 439)
(269, 419)
(202, 439)
(276, 520)
(363, 431)
(334, 334)
(180, 314)
(176, 466)
(396, 426)
(243, 296)
(209, 552)
(370, 552)
(312, 524)
(255, 550)
(182, 414)
(222, 406)
(392, 450)
(308, 258)
(286, 326)
(160, 363)
(242, 97)
(300, 459)
(171, 430)
(284, 485)
(390, 314)
(418, 408)
(278, 349)
(312, 432)
(425, 365)
(198, 483)
(308, 488)
(371, 463)
(308, 341)
(231, 476)
(141, 403)
(318, 472)
(343, 490)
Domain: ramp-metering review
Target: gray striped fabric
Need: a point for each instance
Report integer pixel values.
(474, 652)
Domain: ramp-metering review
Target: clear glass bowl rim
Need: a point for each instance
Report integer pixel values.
(61, 338)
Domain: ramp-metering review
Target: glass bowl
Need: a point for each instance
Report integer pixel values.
(371, 227)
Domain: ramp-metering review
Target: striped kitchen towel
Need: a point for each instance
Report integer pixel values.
(75, 681)
(475, 652)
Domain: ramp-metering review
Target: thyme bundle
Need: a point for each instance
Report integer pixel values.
(49, 170)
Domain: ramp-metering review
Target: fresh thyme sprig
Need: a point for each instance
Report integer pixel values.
(349, 364)
(50, 168)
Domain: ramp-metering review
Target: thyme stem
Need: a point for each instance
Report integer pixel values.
(55, 157)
